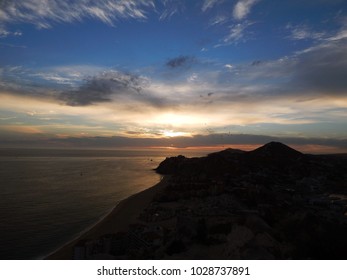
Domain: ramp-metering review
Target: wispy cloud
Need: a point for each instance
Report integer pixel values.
(71, 75)
(6, 33)
(170, 8)
(208, 4)
(303, 32)
(243, 8)
(339, 36)
(237, 33)
(220, 19)
(56, 78)
(26, 79)
(44, 13)
(342, 33)
(237, 30)
(3, 33)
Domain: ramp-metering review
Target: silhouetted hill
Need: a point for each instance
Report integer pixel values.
(275, 150)
(228, 152)
(272, 155)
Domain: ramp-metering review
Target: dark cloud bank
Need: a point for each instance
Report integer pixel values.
(178, 142)
(100, 88)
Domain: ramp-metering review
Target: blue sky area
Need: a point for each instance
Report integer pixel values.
(169, 73)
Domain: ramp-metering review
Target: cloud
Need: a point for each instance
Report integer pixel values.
(209, 4)
(313, 72)
(79, 85)
(236, 34)
(171, 7)
(215, 139)
(256, 62)
(101, 88)
(220, 19)
(237, 31)
(243, 8)
(322, 68)
(44, 83)
(342, 33)
(56, 78)
(70, 75)
(43, 13)
(182, 61)
(239, 139)
(304, 32)
(16, 80)
(6, 33)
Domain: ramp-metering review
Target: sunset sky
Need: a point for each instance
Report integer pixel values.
(170, 73)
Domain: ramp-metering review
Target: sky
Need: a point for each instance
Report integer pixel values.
(170, 73)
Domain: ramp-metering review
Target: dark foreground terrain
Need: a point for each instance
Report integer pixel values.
(270, 203)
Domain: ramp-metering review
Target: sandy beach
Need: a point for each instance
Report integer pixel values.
(124, 214)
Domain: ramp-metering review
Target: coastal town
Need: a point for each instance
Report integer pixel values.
(270, 203)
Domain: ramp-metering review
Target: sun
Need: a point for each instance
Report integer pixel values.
(171, 133)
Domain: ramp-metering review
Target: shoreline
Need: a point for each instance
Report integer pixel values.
(118, 219)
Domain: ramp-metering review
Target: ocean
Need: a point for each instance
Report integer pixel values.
(49, 197)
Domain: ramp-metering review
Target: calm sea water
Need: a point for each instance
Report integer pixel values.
(48, 197)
